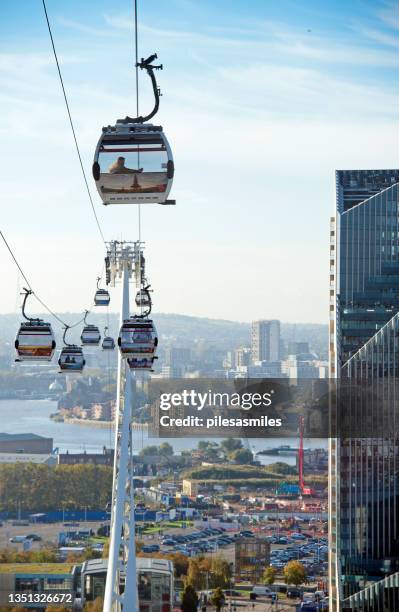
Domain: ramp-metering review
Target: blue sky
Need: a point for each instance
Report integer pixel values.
(262, 102)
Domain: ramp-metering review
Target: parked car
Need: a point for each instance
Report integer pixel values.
(261, 590)
(34, 537)
(18, 539)
(294, 593)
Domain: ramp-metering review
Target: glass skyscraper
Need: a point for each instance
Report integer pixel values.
(364, 349)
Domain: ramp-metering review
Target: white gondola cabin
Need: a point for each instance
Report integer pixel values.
(90, 335)
(71, 359)
(102, 297)
(108, 344)
(138, 339)
(133, 164)
(143, 298)
(35, 341)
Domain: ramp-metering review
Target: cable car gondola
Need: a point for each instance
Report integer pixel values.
(101, 296)
(133, 162)
(35, 339)
(143, 301)
(108, 342)
(142, 363)
(143, 298)
(138, 342)
(71, 358)
(90, 333)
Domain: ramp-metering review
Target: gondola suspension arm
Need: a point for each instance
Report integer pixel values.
(146, 64)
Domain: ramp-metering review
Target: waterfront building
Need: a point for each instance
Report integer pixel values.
(28, 443)
(265, 340)
(104, 458)
(364, 349)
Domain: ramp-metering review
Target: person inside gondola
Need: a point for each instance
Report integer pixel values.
(118, 167)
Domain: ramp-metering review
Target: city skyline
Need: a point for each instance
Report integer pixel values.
(313, 76)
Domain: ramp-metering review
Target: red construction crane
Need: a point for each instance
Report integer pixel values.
(304, 490)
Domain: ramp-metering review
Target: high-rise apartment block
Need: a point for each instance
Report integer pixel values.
(265, 340)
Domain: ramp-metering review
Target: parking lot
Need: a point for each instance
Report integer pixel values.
(48, 532)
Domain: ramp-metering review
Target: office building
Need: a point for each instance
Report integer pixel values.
(296, 348)
(252, 556)
(363, 331)
(265, 340)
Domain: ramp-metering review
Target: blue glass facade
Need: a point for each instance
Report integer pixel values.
(364, 472)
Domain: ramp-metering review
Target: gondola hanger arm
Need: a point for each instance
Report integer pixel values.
(149, 67)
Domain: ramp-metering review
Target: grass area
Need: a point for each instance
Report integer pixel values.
(165, 525)
(147, 530)
(35, 568)
(180, 524)
(98, 539)
(223, 473)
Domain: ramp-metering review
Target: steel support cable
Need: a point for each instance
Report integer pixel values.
(31, 289)
(71, 122)
(136, 52)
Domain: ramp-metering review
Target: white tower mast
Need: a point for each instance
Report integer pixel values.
(124, 257)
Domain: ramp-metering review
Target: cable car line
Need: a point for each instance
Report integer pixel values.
(32, 292)
(136, 57)
(71, 122)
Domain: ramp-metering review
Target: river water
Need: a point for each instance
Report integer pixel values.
(33, 416)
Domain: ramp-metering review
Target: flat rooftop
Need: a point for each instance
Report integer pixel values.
(36, 568)
(5, 437)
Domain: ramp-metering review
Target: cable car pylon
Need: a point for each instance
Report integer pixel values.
(121, 261)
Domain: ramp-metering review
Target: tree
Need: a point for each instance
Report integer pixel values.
(295, 573)
(269, 575)
(149, 450)
(189, 601)
(220, 572)
(198, 567)
(166, 449)
(180, 563)
(95, 606)
(242, 456)
(217, 599)
(230, 445)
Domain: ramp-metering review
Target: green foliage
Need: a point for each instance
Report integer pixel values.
(95, 606)
(269, 575)
(165, 449)
(220, 572)
(41, 487)
(45, 555)
(295, 573)
(148, 451)
(282, 468)
(205, 572)
(242, 456)
(189, 602)
(247, 475)
(217, 598)
(231, 444)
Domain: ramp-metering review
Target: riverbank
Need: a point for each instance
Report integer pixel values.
(101, 424)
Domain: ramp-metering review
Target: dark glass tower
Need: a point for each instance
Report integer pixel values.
(364, 348)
